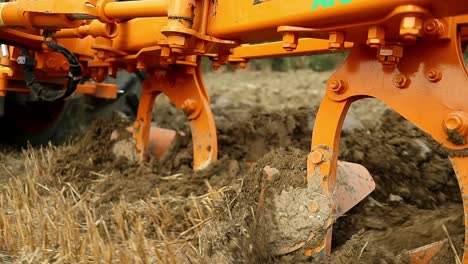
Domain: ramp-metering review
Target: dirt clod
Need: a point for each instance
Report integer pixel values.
(282, 220)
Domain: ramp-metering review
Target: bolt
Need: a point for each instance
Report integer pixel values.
(165, 52)
(456, 127)
(376, 37)
(316, 157)
(337, 86)
(411, 28)
(189, 107)
(200, 47)
(454, 122)
(430, 26)
(176, 43)
(401, 81)
(434, 75)
(336, 41)
(433, 27)
(390, 55)
(290, 41)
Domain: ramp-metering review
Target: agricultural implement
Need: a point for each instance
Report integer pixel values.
(406, 53)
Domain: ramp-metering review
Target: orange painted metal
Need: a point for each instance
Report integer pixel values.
(98, 90)
(132, 9)
(133, 35)
(305, 46)
(94, 29)
(425, 254)
(425, 103)
(231, 19)
(184, 89)
(406, 53)
(354, 184)
(325, 140)
(29, 14)
(160, 140)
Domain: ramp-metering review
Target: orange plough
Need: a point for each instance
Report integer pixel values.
(406, 53)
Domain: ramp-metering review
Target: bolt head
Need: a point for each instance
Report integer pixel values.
(376, 37)
(457, 120)
(165, 52)
(376, 32)
(290, 41)
(390, 55)
(401, 81)
(336, 41)
(411, 27)
(430, 27)
(434, 75)
(316, 157)
(375, 43)
(189, 107)
(456, 127)
(433, 27)
(337, 86)
(336, 37)
(176, 43)
(454, 122)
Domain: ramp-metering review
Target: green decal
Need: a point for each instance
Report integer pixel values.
(328, 3)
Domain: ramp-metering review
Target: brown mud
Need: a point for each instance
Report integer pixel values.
(416, 190)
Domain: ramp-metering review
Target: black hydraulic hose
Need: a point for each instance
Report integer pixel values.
(39, 90)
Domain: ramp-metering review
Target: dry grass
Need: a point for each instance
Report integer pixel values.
(44, 220)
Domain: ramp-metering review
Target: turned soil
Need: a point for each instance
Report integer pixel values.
(266, 119)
